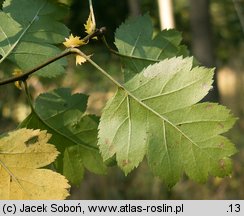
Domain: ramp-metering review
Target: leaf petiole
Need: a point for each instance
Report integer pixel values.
(77, 51)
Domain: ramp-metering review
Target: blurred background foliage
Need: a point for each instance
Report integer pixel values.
(228, 51)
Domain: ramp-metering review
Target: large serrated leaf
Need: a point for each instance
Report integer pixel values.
(135, 40)
(74, 132)
(27, 37)
(156, 115)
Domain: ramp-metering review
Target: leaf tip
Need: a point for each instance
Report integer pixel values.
(90, 25)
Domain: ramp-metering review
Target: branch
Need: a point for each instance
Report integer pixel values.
(25, 75)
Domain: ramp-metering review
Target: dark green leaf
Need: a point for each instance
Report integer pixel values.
(73, 131)
(73, 166)
(28, 32)
(135, 39)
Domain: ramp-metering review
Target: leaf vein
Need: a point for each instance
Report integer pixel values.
(129, 129)
(23, 33)
(136, 41)
(173, 91)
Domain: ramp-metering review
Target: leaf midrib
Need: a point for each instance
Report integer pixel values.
(158, 115)
(87, 146)
(166, 120)
(164, 131)
(11, 174)
(166, 146)
(129, 124)
(22, 34)
(131, 54)
(6, 38)
(135, 44)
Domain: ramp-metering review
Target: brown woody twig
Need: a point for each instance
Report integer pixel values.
(24, 76)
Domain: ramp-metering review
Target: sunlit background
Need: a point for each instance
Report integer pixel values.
(224, 33)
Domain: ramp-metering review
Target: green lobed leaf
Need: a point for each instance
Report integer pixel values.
(135, 40)
(156, 115)
(74, 133)
(28, 34)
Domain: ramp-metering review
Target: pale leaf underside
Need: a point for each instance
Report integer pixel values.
(157, 115)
